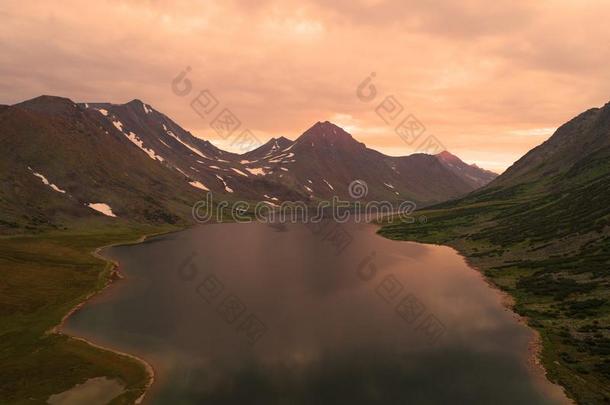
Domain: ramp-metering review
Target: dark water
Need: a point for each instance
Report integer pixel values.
(254, 314)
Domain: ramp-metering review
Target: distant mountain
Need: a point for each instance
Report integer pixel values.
(472, 174)
(541, 232)
(325, 159)
(204, 166)
(285, 170)
(63, 160)
(273, 145)
(320, 164)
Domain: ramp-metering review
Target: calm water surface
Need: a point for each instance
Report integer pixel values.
(259, 314)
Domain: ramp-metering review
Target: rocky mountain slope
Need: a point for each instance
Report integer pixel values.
(325, 159)
(61, 162)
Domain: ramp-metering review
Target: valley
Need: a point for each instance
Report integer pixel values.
(539, 231)
(299, 202)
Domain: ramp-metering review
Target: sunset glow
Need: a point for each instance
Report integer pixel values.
(489, 79)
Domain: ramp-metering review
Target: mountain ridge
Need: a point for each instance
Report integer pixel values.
(95, 144)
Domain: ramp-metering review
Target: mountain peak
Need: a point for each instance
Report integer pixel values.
(448, 156)
(328, 135)
(278, 143)
(326, 126)
(472, 174)
(271, 146)
(47, 100)
(326, 131)
(48, 104)
(138, 104)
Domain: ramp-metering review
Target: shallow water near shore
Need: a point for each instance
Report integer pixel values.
(94, 391)
(253, 313)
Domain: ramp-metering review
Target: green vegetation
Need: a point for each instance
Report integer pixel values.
(42, 277)
(548, 246)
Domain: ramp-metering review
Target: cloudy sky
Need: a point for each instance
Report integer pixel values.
(489, 79)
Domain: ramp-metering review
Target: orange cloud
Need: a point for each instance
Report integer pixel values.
(479, 75)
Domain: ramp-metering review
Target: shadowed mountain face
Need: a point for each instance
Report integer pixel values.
(565, 182)
(58, 158)
(140, 165)
(326, 159)
(203, 165)
(585, 137)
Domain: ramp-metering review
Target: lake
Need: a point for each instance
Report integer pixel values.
(302, 314)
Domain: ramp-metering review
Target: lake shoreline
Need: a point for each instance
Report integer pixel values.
(533, 356)
(110, 276)
(534, 353)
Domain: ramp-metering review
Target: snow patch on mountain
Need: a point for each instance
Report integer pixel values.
(102, 208)
(227, 188)
(138, 142)
(270, 198)
(257, 171)
(195, 150)
(198, 184)
(47, 182)
(239, 172)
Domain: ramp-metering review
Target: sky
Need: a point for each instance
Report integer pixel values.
(488, 80)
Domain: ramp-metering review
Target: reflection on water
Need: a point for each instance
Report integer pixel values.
(94, 391)
(250, 313)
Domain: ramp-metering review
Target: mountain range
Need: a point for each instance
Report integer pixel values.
(65, 161)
